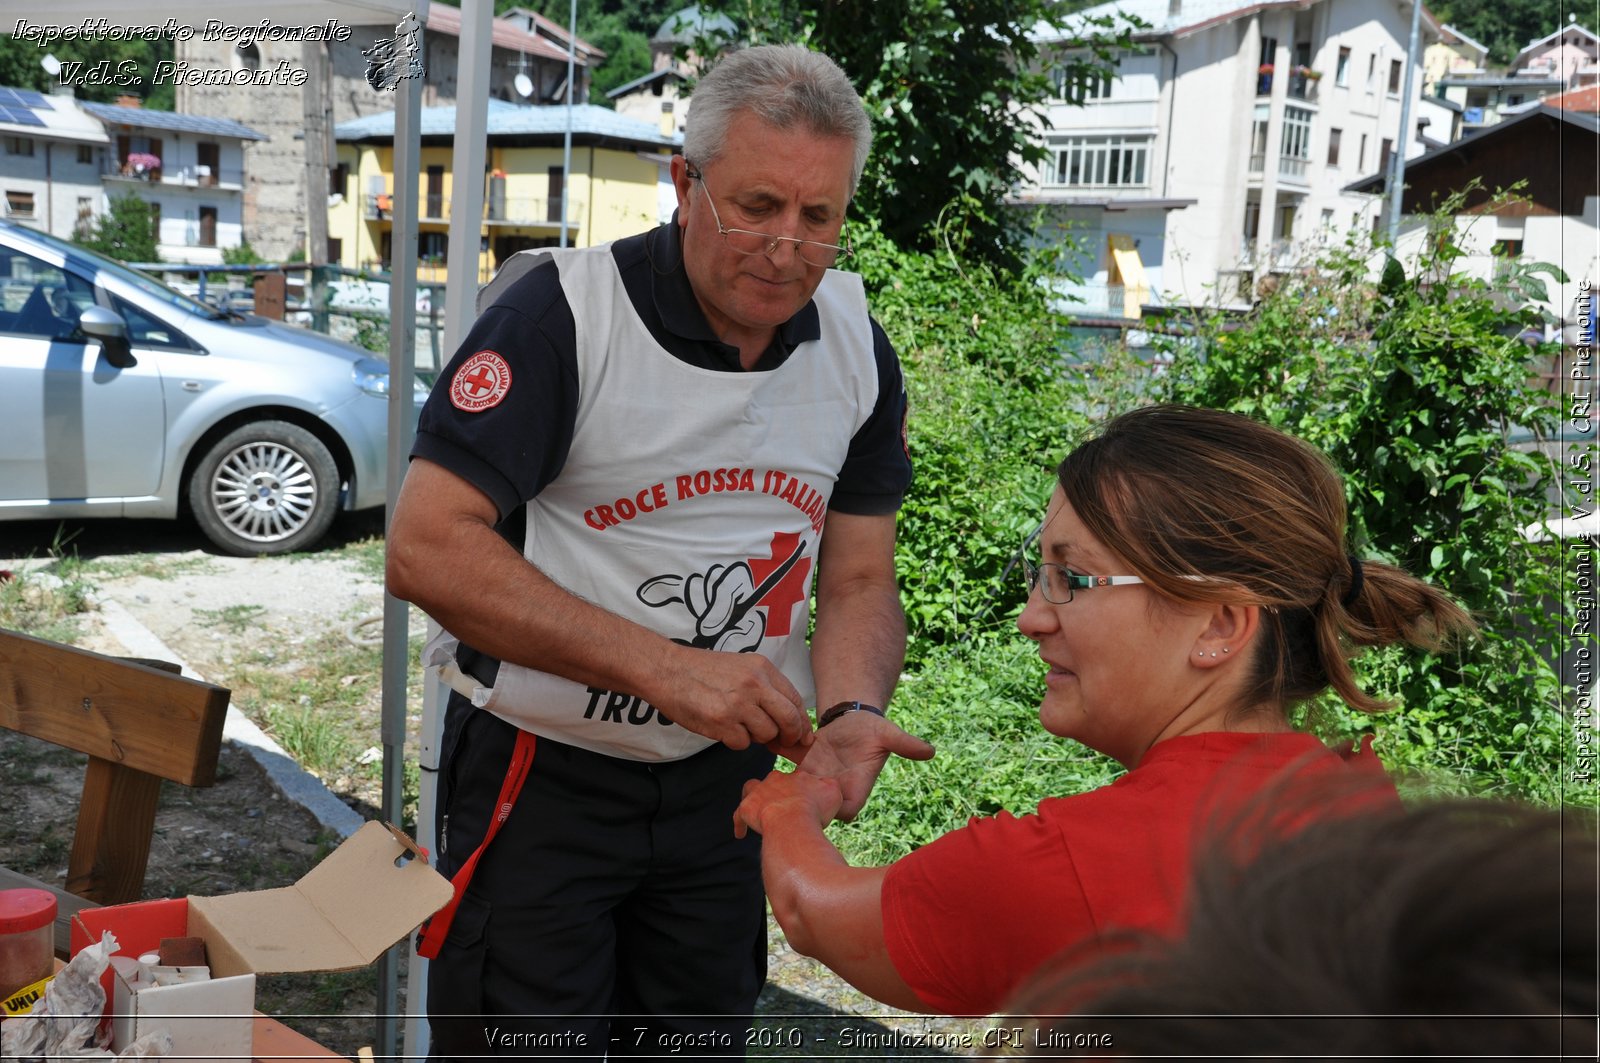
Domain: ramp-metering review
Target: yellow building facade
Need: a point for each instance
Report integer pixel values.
(617, 185)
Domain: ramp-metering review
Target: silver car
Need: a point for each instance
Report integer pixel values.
(120, 397)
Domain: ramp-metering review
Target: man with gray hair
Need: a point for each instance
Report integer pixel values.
(626, 487)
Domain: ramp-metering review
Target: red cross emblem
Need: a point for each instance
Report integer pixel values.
(481, 382)
(789, 591)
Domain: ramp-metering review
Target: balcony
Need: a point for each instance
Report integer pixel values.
(1294, 169)
(1303, 82)
(539, 211)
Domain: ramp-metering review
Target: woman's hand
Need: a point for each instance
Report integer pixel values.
(811, 797)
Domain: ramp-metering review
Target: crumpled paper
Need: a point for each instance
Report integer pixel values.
(65, 1022)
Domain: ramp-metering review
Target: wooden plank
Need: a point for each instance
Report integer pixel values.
(276, 1043)
(116, 820)
(67, 905)
(115, 709)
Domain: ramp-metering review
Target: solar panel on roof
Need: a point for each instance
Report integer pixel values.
(29, 98)
(19, 116)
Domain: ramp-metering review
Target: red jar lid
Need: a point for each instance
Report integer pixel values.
(24, 910)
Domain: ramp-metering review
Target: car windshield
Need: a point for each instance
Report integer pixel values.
(92, 261)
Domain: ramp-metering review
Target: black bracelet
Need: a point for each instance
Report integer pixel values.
(843, 707)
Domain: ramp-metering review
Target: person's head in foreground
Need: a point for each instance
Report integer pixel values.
(1193, 584)
(1450, 930)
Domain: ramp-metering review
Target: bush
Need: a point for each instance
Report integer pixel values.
(991, 414)
(125, 231)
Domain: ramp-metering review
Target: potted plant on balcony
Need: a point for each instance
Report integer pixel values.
(143, 164)
(1309, 74)
(1265, 69)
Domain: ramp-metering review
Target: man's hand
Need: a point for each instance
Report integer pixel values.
(780, 793)
(738, 699)
(851, 751)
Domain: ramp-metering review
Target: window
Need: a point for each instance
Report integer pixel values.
(208, 227)
(1284, 229)
(38, 299)
(1334, 136)
(1295, 151)
(432, 248)
(1076, 84)
(147, 331)
(19, 204)
(338, 179)
(208, 162)
(554, 209)
(1508, 248)
(1396, 68)
(1384, 153)
(1372, 71)
(1361, 157)
(1341, 73)
(85, 209)
(19, 145)
(85, 155)
(1258, 138)
(155, 221)
(1101, 161)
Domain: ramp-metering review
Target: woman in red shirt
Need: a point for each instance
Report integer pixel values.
(1193, 584)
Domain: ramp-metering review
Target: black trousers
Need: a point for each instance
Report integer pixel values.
(614, 914)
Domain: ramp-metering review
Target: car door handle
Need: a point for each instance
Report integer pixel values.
(191, 385)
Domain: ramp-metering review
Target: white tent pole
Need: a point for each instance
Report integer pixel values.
(461, 285)
(402, 373)
(566, 147)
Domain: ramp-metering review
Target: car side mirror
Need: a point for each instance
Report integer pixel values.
(111, 330)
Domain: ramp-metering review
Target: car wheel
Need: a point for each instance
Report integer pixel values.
(265, 488)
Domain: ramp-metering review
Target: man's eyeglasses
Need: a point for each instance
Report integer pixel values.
(748, 242)
(1057, 582)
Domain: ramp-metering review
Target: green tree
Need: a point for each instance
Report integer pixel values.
(1503, 26)
(620, 30)
(134, 57)
(956, 92)
(125, 231)
(627, 53)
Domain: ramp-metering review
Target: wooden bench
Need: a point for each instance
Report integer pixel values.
(139, 722)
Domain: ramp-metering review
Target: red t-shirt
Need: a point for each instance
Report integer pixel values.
(968, 917)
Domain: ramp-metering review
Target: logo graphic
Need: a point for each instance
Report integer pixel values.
(481, 382)
(394, 59)
(722, 600)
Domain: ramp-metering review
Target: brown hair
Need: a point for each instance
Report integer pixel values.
(1208, 506)
(1463, 927)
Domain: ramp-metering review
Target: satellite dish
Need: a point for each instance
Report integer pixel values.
(524, 85)
(51, 64)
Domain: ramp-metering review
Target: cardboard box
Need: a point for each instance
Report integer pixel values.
(369, 893)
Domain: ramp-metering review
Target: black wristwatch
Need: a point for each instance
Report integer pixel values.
(843, 707)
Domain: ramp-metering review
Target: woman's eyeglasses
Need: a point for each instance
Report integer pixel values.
(1058, 582)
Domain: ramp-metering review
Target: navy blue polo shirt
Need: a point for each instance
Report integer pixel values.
(512, 450)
